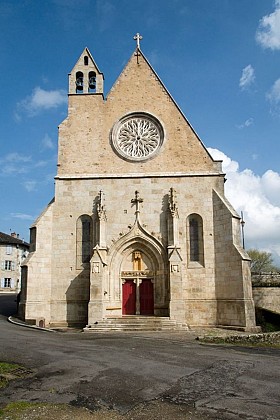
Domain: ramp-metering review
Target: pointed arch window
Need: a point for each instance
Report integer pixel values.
(195, 239)
(84, 244)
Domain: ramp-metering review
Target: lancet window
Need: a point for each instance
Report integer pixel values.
(195, 238)
(84, 236)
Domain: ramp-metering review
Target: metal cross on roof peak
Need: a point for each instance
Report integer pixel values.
(138, 38)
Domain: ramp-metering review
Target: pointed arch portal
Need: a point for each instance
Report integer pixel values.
(139, 276)
(137, 284)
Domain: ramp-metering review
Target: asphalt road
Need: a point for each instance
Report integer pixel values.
(122, 370)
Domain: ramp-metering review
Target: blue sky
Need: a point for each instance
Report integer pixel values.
(219, 59)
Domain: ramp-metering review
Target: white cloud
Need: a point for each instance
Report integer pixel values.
(246, 123)
(12, 169)
(41, 163)
(259, 199)
(247, 77)
(271, 185)
(22, 216)
(13, 164)
(30, 185)
(47, 142)
(41, 99)
(274, 94)
(228, 164)
(16, 157)
(268, 33)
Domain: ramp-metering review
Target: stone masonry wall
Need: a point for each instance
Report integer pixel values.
(266, 291)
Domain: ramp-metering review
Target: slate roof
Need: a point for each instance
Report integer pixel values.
(10, 240)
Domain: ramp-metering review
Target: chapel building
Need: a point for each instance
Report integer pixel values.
(139, 224)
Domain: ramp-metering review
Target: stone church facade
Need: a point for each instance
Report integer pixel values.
(139, 224)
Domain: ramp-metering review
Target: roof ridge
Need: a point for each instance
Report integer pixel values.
(9, 239)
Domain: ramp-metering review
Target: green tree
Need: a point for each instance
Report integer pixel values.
(261, 261)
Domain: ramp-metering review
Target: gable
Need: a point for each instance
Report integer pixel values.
(81, 62)
(139, 89)
(137, 93)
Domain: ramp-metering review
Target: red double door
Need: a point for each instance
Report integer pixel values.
(146, 297)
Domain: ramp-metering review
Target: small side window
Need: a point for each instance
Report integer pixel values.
(195, 239)
(84, 237)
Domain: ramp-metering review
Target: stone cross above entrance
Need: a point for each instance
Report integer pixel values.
(137, 200)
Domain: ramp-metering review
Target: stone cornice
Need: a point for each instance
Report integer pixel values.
(141, 175)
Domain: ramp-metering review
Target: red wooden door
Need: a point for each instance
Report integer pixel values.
(129, 298)
(146, 297)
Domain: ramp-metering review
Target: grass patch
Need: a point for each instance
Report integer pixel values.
(20, 410)
(15, 409)
(5, 370)
(7, 367)
(258, 340)
(11, 371)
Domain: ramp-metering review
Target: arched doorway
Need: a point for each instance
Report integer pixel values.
(137, 276)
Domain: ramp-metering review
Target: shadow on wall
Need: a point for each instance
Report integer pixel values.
(8, 304)
(77, 299)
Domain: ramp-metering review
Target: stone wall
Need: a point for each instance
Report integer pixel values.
(266, 291)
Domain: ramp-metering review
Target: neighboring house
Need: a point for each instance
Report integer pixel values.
(139, 224)
(12, 253)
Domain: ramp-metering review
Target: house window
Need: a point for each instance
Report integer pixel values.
(24, 254)
(9, 265)
(7, 282)
(84, 236)
(86, 60)
(195, 239)
(9, 250)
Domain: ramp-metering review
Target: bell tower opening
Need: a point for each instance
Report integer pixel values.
(85, 77)
(92, 82)
(79, 82)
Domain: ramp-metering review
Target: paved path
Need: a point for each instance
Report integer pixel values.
(123, 370)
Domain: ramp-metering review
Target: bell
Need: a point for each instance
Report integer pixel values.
(91, 83)
(79, 83)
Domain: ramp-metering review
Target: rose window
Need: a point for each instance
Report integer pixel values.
(137, 137)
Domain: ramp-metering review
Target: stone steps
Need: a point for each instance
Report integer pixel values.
(135, 323)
